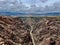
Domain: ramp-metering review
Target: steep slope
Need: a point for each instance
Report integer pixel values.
(13, 31)
(47, 31)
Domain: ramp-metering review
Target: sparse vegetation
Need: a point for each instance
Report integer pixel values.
(29, 30)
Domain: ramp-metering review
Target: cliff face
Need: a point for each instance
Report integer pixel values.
(13, 31)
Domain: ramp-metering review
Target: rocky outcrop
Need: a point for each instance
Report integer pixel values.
(29, 31)
(47, 31)
(13, 31)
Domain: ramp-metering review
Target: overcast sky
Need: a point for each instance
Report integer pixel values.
(17, 5)
(39, 2)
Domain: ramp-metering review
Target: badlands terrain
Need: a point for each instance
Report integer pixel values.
(29, 30)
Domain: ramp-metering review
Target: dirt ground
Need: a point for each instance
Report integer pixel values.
(29, 31)
(47, 31)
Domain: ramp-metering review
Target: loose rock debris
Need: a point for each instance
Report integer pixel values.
(47, 31)
(19, 31)
(13, 31)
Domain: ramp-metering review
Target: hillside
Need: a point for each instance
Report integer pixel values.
(13, 31)
(29, 30)
(47, 31)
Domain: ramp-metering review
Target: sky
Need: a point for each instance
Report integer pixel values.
(30, 5)
(39, 2)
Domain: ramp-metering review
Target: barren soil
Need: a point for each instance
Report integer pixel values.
(29, 31)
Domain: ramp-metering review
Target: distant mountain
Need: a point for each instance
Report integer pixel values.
(30, 13)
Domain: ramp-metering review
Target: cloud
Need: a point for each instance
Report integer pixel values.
(43, 1)
(57, 6)
(11, 5)
(2, 0)
(16, 5)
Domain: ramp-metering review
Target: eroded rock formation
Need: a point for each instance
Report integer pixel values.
(13, 31)
(47, 31)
